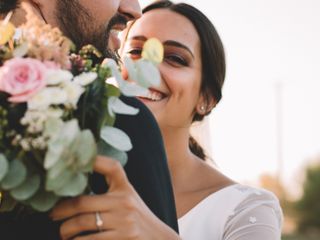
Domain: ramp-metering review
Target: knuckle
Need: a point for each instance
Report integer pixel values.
(129, 203)
(130, 219)
(133, 233)
(79, 203)
(115, 166)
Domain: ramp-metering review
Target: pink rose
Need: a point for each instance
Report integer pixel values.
(22, 78)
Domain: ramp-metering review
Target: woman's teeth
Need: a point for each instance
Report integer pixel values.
(153, 96)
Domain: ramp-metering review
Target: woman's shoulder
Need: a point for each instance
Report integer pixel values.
(256, 213)
(252, 197)
(233, 210)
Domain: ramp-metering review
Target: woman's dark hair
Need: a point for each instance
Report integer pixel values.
(8, 5)
(212, 57)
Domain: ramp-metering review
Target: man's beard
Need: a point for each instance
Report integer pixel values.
(79, 25)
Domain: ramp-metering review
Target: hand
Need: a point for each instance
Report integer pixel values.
(123, 213)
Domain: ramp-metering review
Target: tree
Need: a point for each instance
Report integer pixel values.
(308, 207)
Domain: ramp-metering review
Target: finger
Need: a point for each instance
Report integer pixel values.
(106, 235)
(113, 172)
(79, 224)
(84, 204)
(88, 223)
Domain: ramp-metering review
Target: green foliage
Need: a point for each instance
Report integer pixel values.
(4, 166)
(105, 149)
(308, 207)
(93, 106)
(16, 174)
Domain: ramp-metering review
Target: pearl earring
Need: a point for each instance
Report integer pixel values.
(202, 108)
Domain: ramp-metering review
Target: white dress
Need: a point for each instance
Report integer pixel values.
(236, 212)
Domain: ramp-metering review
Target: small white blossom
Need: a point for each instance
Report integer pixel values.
(39, 101)
(46, 97)
(36, 127)
(54, 112)
(85, 78)
(25, 144)
(16, 140)
(58, 76)
(39, 143)
(74, 91)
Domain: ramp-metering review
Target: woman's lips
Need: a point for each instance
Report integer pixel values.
(153, 95)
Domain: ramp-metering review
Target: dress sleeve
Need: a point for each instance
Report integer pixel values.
(258, 216)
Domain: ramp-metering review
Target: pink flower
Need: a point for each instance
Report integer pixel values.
(22, 78)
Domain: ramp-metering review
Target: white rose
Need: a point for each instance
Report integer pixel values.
(58, 76)
(74, 91)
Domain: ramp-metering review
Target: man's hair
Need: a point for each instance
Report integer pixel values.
(7, 5)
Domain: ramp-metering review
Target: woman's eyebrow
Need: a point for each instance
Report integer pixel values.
(139, 37)
(179, 45)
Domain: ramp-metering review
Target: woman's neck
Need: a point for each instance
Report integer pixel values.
(181, 160)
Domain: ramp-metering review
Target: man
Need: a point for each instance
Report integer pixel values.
(97, 22)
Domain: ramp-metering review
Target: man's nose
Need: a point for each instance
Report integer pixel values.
(131, 9)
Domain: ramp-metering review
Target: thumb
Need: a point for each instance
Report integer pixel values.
(112, 171)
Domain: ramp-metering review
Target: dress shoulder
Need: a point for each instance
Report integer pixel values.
(257, 216)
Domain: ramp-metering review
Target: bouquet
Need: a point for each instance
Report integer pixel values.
(57, 112)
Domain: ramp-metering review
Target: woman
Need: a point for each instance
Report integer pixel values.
(209, 204)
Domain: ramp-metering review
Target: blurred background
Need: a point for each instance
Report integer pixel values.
(266, 130)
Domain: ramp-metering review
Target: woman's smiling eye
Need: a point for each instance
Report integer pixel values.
(135, 53)
(175, 60)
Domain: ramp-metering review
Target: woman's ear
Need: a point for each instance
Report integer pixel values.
(205, 105)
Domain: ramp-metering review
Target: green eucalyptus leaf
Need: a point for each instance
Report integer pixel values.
(105, 149)
(74, 187)
(112, 65)
(60, 144)
(147, 74)
(115, 105)
(7, 203)
(53, 127)
(109, 119)
(53, 184)
(132, 90)
(113, 91)
(131, 68)
(4, 166)
(43, 201)
(58, 168)
(53, 154)
(127, 88)
(16, 175)
(86, 149)
(27, 189)
(116, 138)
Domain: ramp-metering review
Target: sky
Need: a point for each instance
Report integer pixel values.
(271, 97)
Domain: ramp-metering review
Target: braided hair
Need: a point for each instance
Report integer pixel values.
(7, 6)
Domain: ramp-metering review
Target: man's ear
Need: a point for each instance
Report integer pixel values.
(205, 104)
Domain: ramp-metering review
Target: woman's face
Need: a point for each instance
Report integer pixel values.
(175, 101)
